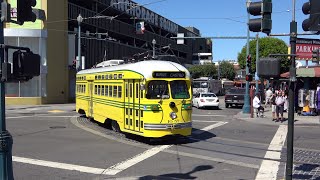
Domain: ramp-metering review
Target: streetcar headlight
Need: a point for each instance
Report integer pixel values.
(173, 115)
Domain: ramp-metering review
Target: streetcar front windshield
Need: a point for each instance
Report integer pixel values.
(158, 90)
(179, 90)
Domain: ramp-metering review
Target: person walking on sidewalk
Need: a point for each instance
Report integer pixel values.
(279, 106)
(268, 97)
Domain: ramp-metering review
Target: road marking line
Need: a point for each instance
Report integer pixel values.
(18, 117)
(269, 168)
(208, 128)
(151, 152)
(113, 170)
(205, 121)
(236, 163)
(58, 165)
(208, 115)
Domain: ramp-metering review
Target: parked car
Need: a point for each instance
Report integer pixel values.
(205, 100)
(234, 96)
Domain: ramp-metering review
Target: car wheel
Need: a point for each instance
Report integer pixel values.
(227, 105)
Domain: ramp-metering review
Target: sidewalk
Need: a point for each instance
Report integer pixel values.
(299, 120)
(41, 108)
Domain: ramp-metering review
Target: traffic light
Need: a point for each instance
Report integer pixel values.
(24, 11)
(26, 65)
(249, 63)
(140, 28)
(249, 77)
(313, 8)
(269, 67)
(316, 55)
(264, 23)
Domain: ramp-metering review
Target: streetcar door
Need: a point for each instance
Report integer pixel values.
(137, 111)
(129, 105)
(90, 102)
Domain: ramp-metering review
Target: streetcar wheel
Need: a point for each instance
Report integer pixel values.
(115, 127)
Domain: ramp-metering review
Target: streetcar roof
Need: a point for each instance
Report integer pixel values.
(145, 68)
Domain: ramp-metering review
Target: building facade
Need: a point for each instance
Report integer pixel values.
(108, 31)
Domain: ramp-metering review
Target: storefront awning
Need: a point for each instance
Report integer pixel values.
(304, 72)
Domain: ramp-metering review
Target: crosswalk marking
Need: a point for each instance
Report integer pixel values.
(269, 168)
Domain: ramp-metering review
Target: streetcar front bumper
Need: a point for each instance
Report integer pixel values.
(167, 126)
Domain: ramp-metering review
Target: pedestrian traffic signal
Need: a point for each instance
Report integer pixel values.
(249, 63)
(26, 65)
(263, 24)
(249, 77)
(24, 11)
(313, 8)
(316, 55)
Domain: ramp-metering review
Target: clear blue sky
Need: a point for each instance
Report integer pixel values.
(210, 17)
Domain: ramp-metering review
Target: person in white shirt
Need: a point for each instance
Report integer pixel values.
(256, 103)
(268, 97)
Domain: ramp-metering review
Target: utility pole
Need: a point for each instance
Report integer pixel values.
(6, 141)
(246, 106)
(293, 39)
(79, 19)
(257, 59)
(154, 49)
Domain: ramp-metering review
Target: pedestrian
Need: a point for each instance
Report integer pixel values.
(286, 103)
(273, 106)
(279, 106)
(256, 103)
(268, 97)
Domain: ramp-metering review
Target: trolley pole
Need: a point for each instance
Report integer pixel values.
(246, 106)
(6, 141)
(293, 40)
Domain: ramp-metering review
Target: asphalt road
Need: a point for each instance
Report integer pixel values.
(53, 142)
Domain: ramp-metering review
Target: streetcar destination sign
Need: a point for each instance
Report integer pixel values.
(169, 74)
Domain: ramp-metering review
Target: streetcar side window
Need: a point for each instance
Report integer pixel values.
(158, 90)
(119, 91)
(110, 91)
(106, 90)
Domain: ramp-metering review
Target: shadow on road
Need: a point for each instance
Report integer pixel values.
(174, 140)
(180, 175)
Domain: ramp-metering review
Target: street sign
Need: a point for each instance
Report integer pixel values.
(180, 41)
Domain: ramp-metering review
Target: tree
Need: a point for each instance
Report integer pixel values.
(207, 70)
(267, 46)
(227, 70)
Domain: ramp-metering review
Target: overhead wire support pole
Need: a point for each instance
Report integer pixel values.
(290, 134)
(257, 59)
(6, 140)
(79, 19)
(215, 37)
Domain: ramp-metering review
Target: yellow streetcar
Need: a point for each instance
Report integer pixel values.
(148, 98)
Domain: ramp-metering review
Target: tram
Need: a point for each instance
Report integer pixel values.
(147, 98)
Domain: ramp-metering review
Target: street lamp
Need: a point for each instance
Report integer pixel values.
(79, 19)
(154, 49)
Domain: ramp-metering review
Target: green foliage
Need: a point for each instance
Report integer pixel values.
(267, 46)
(227, 70)
(207, 70)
